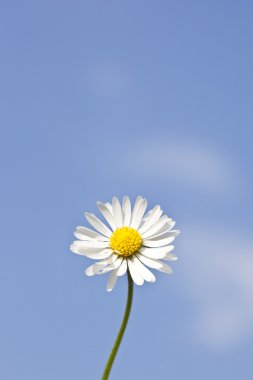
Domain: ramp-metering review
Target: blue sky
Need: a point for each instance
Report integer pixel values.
(126, 97)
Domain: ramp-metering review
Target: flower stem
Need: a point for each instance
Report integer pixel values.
(123, 326)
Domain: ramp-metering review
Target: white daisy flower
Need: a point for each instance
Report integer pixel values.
(132, 241)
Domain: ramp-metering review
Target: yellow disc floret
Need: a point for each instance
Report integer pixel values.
(125, 241)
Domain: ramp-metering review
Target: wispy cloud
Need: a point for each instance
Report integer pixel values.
(217, 261)
(188, 163)
(218, 270)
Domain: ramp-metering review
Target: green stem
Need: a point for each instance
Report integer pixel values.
(123, 326)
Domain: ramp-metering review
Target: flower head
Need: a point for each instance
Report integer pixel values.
(132, 240)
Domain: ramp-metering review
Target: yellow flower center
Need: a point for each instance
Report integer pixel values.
(125, 241)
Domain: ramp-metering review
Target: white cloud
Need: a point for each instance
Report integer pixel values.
(218, 268)
(217, 262)
(191, 163)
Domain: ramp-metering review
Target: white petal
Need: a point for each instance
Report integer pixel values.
(152, 218)
(126, 210)
(156, 264)
(136, 205)
(91, 253)
(156, 227)
(112, 259)
(167, 227)
(164, 234)
(92, 244)
(109, 206)
(97, 224)
(87, 251)
(134, 273)
(112, 266)
(100, 255)
(158, 243)
(84, 233)
(143, 271)
(156, 253)
(138, 212)
(107, 215)
(111, 280)
(122, 269)
(145, 216)
(77, 248)
(170, 257)
(116, 210)
(96, 268)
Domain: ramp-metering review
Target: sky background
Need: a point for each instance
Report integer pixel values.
(104, 98)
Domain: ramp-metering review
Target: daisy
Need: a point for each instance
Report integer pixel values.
(131, 241)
